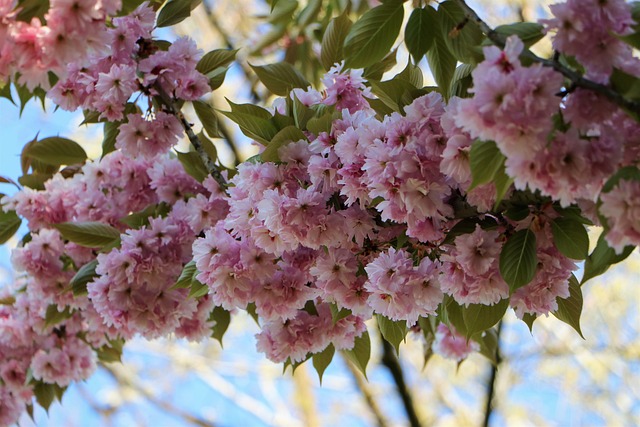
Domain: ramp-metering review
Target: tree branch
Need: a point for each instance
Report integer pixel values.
(170, 105)
(491, 383)
(576, 79)
(366, 393)
(390, 360)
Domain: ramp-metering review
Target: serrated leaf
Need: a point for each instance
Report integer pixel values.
(412, 74)
(360, 354)
(322, 360)
(485, 159)
(284, 137)
(570, 237)
(175, 11)
(222, 318)
(301, 113)
(187, 275)
(502, 182)
(519, 259)
(393, 331)
(528, 32)
(420, 32)
(441, 63)
(570, 309)
(332, 41)
(393, 93)
(602, 258)
(57, 151)
(218, 58)
(89, 234)
(5, 92)
(29, 9)
(9, 225)
(85, 274)
(193, 165)
(207, 117)
(317, 125)
(373, 35)
(53, 316)
(480, 317)
(208, 146)
(280, 78)
(254, 122)
(377, 70)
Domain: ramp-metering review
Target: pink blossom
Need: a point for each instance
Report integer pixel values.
(450, 344)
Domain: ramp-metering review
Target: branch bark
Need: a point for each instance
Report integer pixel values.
(390, 360)
(366, 394)
(491, 383)
(576, 79)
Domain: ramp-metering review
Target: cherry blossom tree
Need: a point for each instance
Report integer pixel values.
(434, 210)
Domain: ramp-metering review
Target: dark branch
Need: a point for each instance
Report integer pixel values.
(491, 383)
(576, 79)
(366, 394)
(390, 360)
(170, 105)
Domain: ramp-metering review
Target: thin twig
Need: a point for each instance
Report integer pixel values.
(491, 383)
(390, 360)
(576, 79)
(169, 103)
(366, 394)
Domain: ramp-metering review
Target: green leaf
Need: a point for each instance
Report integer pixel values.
(208, 146)
(338, 314)
(45, 394)
(529, 32)
(301, 113)
(442, 63)
(280, 78)
(198, 289)
(628, 173)
(218, 58)
(284, 137)
(570, 309)
(570, 237)
(186, 276)
(394, 93)
(393, 331)
(420, 32)
(489, 345)
(53, 316)
(89, 234)
(5, 91)
(502, 182)
(450, 312)
(111, 131)
(602, 258)
(207, 117)
(175, 11)
(461, 81)
(29, 9)
(9, 224)
(485, 160)
(57, 151)
(222, 318)
(519, 260)
(412, 74)
(333, 40)
(480, 317)
(373, 35)
(35, 180)
(255, 122)
(111, 352)
(323, 123)
(193, 165)
(360, 354)
(85, 274)
(528, 319)
(462, 36)
(322, 360)
(138, 219)
(377, 70)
